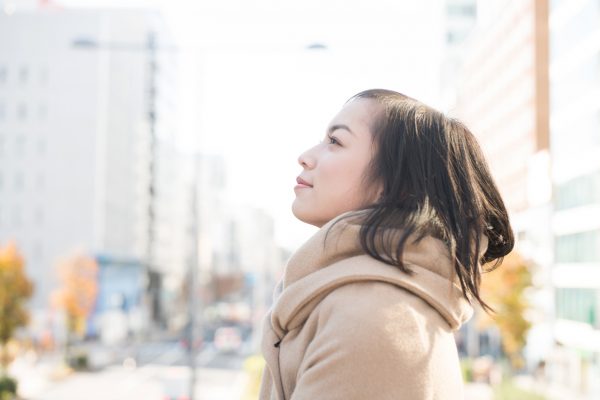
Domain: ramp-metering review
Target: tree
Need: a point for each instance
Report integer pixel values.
(77, 294)
(15, 290)
(504, 289)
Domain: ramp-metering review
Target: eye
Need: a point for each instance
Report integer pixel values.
(333, 140)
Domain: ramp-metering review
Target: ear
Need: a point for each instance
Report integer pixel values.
(377, 192)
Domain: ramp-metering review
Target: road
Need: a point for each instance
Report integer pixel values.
(161, 370)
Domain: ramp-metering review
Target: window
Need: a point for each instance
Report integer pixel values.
(578, 247)
(22, 111)
(468, 9)
(44, 76)
(39, 216)
(42, 112)
(39, 182)
(20, 146)
(23, 75)
(38, 250)
(19, 181)
(16, 217)
(456, 36)
(41, 147)
(577, 304)
(578, 192)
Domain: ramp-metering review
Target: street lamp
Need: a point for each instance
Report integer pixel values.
(316, 46)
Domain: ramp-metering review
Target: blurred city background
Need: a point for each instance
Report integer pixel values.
(148, 155)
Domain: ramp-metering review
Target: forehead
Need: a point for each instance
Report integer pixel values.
(358, 114)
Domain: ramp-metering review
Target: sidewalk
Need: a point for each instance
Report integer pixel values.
(478, 391)
(36, 376)
(550, 390)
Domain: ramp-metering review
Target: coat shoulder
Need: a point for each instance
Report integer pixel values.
(378, 327)
(374, 301)
(364, 311)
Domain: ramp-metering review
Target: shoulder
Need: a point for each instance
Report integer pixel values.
(360, 313)
(373, 300)
(376, 326)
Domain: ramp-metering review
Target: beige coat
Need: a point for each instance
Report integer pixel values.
(344, 326)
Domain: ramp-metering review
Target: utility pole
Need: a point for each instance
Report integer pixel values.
(153, 276)
(193, 278)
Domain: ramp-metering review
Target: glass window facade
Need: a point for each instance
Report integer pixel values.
(22, 111)
(577, 192)
(20, 146)
(578, 247)
(466, 9)
(19, 181)
(23, 75)
(578, 304)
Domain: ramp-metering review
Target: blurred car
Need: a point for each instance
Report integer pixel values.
(228, 339)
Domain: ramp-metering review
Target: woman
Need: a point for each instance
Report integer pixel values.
(408, 212)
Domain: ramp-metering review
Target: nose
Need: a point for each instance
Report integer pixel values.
(307, 159)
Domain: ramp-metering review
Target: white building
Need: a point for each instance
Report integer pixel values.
(503, 97)
(76, 115)
(575, 149)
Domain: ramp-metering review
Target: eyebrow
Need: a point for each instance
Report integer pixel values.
(339, 126)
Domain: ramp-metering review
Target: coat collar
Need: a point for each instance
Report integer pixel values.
(333, 257)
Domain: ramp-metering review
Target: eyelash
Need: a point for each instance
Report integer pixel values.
(333, 140)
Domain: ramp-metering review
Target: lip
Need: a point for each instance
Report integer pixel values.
(302, 184)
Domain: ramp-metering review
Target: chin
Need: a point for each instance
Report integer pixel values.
(305, 215)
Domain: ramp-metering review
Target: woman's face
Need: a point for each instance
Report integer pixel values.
(331, 182)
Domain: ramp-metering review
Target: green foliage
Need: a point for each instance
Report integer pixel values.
(78, 361)
(507, 390)
(466, 367)
(8, 387)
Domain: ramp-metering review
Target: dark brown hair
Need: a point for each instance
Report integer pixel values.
(435, 181)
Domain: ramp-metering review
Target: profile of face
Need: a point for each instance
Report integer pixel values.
(332, 179)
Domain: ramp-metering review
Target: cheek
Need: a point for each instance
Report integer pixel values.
(344, 178)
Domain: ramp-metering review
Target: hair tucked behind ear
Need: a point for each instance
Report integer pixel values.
(436, 182)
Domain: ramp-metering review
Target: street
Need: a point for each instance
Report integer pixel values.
(162, 373)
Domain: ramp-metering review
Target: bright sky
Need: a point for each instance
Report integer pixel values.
(250, 89)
